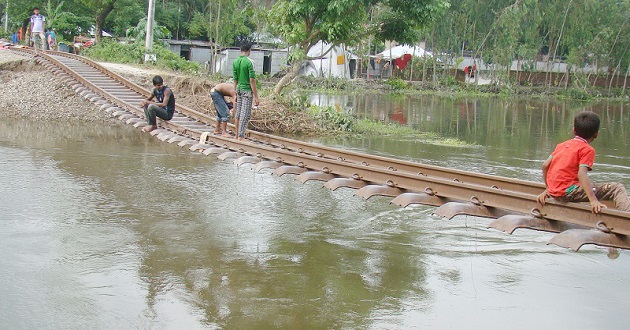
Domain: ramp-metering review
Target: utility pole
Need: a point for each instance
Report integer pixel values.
(6, 18)
(148, 45)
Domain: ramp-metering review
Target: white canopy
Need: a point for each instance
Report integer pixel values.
(105, 33)
(400, 50)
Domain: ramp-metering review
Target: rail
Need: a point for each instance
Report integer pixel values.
(512, 203)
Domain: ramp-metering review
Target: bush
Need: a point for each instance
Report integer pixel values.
(577, 94)
(397, 83)
(117, 52)
(330, 119)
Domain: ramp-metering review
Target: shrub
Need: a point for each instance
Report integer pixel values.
(397, 83)
(330, 119)
(117, 52)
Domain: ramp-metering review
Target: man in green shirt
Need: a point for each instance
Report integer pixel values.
(245, 85)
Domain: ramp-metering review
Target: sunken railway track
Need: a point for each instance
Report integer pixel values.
(510, 202)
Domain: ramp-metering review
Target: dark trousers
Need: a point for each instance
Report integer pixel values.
(153, 111)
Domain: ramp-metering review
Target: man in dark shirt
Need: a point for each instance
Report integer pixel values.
(164, 107)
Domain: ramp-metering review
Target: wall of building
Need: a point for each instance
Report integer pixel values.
(200, 55)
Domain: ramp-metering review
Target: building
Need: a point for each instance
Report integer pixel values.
(192, 50)
(266, 61)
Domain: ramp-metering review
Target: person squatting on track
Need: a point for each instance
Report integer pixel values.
(163, 108)
(565, 172)
(245, 85)
(37, 26)
(218, 94)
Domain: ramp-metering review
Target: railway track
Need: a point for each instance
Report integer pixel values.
(512, 203)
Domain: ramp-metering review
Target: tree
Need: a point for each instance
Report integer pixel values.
(304, 22)
(101, 10)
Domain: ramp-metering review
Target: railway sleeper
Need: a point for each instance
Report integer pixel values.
(575, 238)
(186, 142)
(451, 209)
(246, 160)
(314, 175)
(410, 198)
(378, 190)
(199, 147)
(354, 183)
(136, 120)
(267, 164)
(509, 223)
(213, 151)
(289, 169)
(229, 155)
(166, 136)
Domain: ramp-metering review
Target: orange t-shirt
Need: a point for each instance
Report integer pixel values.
(566, 161)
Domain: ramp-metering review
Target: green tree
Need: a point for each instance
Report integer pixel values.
(304, 22)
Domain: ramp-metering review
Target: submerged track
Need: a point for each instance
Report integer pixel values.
(511, 202)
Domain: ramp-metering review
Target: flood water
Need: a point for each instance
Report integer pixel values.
(104, 227)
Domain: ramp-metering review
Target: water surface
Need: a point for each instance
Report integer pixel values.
(105, 227)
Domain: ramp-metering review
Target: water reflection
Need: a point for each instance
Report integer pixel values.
(104, 227)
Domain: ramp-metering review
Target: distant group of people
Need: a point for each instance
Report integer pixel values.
(36, 33)
(242, 94)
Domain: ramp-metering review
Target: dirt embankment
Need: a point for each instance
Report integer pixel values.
(194, 92)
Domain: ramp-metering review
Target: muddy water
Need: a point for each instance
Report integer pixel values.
(491, 135)
(104, 227)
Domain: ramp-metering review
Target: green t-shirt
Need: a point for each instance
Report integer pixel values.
(243, 70)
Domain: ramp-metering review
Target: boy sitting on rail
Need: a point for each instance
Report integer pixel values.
(163, 108)
(565, 171)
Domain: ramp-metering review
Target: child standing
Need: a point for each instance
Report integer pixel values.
(245, 85)
(565, 171)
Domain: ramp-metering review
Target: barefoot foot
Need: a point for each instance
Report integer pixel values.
(149, 128)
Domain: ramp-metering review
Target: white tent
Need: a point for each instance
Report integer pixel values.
(327, 60)
(400, 50)
(105, 33)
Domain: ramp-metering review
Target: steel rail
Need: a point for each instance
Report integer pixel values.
(356, 157)
(377, 172)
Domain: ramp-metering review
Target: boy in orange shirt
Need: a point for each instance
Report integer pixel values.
(565, 171)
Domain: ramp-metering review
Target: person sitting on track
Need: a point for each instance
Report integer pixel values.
(218, 93)
(565, 172)
(163, 108)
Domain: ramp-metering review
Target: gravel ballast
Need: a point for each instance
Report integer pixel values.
(28, 90)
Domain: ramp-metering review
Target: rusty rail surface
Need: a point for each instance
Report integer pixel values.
(511, 202)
